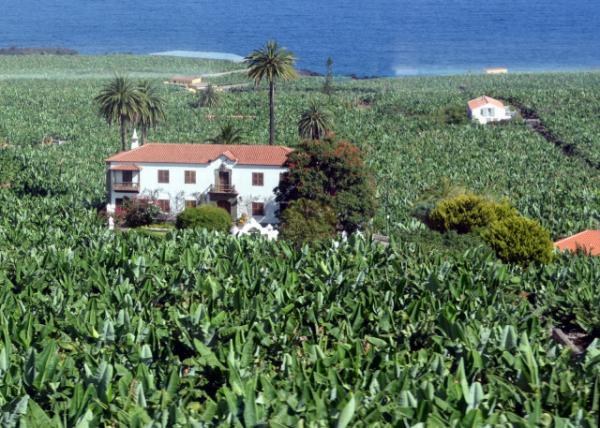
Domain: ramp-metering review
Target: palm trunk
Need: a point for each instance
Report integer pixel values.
(123, 132)
(271, 112)
(144, 134)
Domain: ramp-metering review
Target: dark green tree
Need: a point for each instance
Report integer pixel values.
(307, 221)
(271, 63)
(334, 174)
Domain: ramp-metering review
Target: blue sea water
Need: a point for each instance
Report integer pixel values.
(368, 37)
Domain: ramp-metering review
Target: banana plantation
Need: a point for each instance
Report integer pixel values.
(193, 329)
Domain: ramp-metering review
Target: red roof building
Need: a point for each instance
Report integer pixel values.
(241, 179)
(587, 241)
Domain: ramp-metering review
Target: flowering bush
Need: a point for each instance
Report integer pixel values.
(140, 212)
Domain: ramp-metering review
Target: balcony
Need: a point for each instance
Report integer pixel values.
(222, 190)
(125, 186)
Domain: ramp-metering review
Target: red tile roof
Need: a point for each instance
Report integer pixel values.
(588, 241)
(485, 100)
(204, 153)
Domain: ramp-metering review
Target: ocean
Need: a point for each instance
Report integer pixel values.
(366, 38)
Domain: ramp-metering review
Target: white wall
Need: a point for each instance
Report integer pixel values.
(496, 114)
(176, 191)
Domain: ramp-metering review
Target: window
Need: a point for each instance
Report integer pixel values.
(164, 205)
(119, 203)
(163, 175)
(191, 204)
(190, 177)
(258, 179)
(258, 209)
(282, 177)
(127, 176)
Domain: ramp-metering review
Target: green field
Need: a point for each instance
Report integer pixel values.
(190, 328)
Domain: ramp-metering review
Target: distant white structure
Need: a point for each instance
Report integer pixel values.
(487, 109)
(496, 70)
(253, 227)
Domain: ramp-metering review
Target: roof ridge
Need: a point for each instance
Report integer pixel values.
(154, 143)
(250, 154)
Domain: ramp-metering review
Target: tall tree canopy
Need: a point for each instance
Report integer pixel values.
(332, 173)
(120, 101)
(271, 62)
(151, 111)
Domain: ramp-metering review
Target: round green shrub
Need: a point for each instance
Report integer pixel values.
(520, 240)
(468, 212)
(307, 221)
(206, 216)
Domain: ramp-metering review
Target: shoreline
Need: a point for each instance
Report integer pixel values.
(16, 51)
(401, 72)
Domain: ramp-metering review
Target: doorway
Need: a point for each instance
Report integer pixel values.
(226, 205)
(224, 180)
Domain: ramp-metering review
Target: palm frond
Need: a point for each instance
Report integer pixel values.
(314, 122)
(270, 63)
(228, 135)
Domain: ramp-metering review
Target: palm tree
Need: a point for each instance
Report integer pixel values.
(209, 97)
(314, 123)
(152, 109)
(271, 62)
(119, 101)
(228, 135)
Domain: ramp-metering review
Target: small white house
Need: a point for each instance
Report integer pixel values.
(238, 178)
(487, 109)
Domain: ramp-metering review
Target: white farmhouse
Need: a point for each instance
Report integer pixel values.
(487, 109)
(238, 178)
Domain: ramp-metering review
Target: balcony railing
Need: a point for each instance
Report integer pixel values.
(220, 188)
(126, 186)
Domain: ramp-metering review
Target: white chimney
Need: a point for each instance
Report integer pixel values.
(135, 143)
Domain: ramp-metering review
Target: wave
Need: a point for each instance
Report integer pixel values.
(201, 54)
(405, 71)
